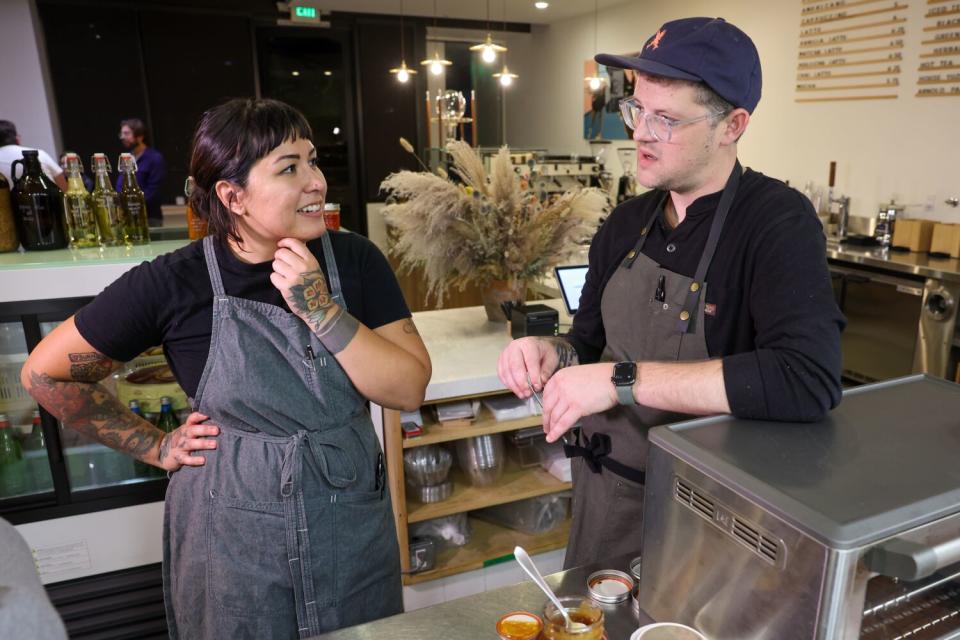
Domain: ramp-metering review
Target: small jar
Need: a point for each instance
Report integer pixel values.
(519, 625)
(586, 615)
(331, 216)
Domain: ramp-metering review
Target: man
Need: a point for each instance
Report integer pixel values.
(708, 295)
(151, 167)
(10, 150)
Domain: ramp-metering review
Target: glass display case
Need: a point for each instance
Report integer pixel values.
(49, 471)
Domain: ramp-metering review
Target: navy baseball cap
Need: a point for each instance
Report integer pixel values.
(708, 50)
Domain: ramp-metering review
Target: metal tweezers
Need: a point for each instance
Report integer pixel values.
(568, 436)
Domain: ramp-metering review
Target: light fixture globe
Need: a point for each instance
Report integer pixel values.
(436, 64)
(505, 77)
(403, 72)
(488, 49)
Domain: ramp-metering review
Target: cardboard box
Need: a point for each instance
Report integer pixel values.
(946, 239)
(912, 234)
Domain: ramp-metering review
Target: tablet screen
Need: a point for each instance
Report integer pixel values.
(571, 279)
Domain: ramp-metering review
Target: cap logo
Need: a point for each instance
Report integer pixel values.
(655, 43)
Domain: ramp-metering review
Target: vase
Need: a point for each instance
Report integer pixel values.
(497, 292)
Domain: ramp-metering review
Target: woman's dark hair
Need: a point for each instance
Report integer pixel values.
(229, 140)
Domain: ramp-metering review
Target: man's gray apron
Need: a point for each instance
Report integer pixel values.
(649, 314)
(287, 529)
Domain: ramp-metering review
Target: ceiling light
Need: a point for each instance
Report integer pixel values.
(506, 78)
(403, 72)
(328, 73)
(295, 73)
(436, 64)
(488, 49)
(336, 131)
(541, 5)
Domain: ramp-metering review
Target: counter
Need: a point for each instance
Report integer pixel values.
(920, 264)
(476, 616)
(71, 273)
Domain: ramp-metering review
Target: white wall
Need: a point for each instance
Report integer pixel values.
(908, 148)
(24, 98)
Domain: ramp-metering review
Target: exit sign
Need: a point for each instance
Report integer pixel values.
(304, 14)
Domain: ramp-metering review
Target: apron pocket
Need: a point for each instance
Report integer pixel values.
(623, 524)
(368, 557)
(247, 568)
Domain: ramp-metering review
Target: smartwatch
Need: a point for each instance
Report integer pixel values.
(624, 375)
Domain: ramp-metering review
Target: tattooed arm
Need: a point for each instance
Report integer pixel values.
(63, 374)
(389, 365)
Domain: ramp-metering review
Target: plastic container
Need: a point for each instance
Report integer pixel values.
(507, 407)
(523, 447)
(426, 466)
(423, 555)
(667, 631)
(447, 531)
(533, 515)
(481, 458)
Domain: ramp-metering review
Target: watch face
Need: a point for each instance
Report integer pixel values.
(624, 373)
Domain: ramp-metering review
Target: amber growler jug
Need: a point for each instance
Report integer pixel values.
(38, 206)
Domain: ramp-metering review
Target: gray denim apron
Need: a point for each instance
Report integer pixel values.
(287, 529)
(649, 314)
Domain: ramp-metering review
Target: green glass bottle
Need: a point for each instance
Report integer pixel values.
(141, 469)
(78, 207)
(35, 451)
(106, 204)
(132, 201)
(168, 420)
(13, 480)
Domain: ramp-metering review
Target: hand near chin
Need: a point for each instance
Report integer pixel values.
(298, 278)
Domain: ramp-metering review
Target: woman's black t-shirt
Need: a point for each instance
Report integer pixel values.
(169, 301)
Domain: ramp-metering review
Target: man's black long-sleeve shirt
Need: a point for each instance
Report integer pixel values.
(770, 312)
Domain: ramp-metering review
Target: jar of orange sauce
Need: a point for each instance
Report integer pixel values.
(519, 625)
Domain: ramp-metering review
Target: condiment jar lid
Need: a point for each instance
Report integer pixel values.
(635, 568)
(609, 586)
(519, 625)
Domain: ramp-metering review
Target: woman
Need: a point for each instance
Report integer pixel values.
(277, 517)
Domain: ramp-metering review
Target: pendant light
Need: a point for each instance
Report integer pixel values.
(595, 82)
(436, 64)
(488, 49)
(403, 72)
(505, 77)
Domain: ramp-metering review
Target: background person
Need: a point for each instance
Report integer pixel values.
(11, 149)
(151, 167)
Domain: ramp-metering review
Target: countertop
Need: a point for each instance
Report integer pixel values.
(476, 616)
(71, 273)
(464, 347)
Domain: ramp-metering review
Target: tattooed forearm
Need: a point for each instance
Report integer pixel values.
(89, 367)
(566, 354)
(329, 321)
(93, 411)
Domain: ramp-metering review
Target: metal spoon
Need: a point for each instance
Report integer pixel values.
(527, 564)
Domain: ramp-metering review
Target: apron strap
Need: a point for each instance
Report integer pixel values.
(596, 454)
(333, 274)
(687, 313)
(213, 268)
(632, 255)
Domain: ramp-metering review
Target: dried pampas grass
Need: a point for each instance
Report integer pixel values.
(485, 228)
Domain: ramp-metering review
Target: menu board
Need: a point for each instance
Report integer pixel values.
(850, 49)
(940, 50)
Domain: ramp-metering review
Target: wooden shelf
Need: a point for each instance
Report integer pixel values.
(490, 544)
(434, 432)
(514, 484)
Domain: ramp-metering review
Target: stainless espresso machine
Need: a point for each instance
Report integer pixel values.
(843, 529)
